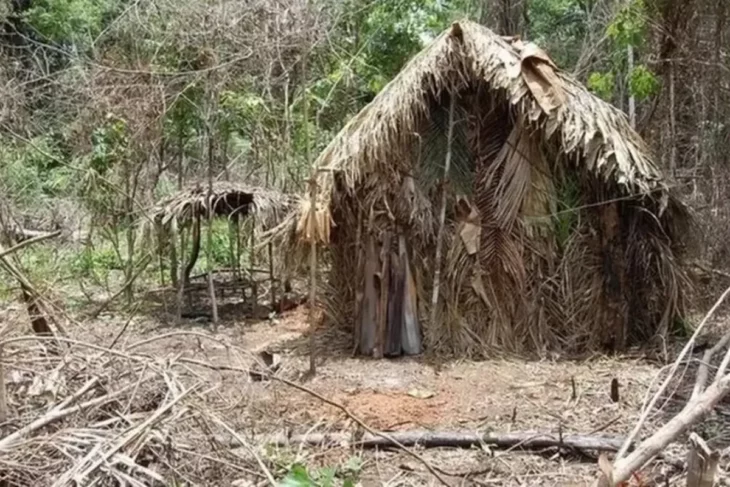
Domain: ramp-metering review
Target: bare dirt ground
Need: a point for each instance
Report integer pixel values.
(393, 395)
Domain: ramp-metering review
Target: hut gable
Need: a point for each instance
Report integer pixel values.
(558, 231)
(591, 130)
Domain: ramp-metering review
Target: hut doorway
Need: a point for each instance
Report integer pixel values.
(387, 318)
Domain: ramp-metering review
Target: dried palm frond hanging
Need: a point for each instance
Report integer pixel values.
(314, 222)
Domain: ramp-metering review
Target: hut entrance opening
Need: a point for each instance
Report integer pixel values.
(394, 217)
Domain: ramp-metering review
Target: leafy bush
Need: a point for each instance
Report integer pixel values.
(70, 21)
(643, 83)
(94, 260)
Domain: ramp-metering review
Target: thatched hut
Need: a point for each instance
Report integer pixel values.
(230, 200)
(558, 230)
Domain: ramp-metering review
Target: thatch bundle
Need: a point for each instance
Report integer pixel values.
(227, 199)
(559, 232)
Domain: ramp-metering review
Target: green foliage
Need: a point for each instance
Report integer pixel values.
(109, 144)
(76, 22)
(629, 25)
(96, 262)
(602, 84)
(299, 476)
(238, 110)
(31, 174)
(376, 40)
(559, 27)
(643, 83)
(109, 152)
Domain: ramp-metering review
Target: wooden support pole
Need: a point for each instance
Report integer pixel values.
(313, 276)
(442, 214)
(252, 262)
(272, 278)
(3, 396)
(380, 331)
(182, 277)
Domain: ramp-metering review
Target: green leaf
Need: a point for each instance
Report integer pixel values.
(297, 477)
(602, 84)
(627, 29)
(643, 83)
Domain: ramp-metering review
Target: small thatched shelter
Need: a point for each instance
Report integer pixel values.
(230, 200)
(227, 199)
(558, 230)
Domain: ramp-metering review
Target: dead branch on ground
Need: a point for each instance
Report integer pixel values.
(700, 404)
(526, 440)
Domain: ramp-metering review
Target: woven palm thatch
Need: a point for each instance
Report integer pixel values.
(560, 231)
(226, 199)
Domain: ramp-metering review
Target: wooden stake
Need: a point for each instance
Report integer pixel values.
(313, 279)
(3, 395)
(614, 390)
(254, 284)
(209, 237)
(313, 214)
(272, 279)
(442, 215)
(701, 463)
(181, 277)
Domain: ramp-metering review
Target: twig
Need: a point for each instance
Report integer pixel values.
(130, 436)
(243, 442)
(98, 348)
(457, 439)
(703, 370)
(142, 266)
(723, 366)
(54, 415)
(123, 330)
(147, 341)
(605, 425)
(665, 384)
(332, 403)
(75, 396)
(3, 393)
(28, 242)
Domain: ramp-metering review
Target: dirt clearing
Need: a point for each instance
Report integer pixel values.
(499, 396)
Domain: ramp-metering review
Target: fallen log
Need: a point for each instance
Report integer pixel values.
(527, 440)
